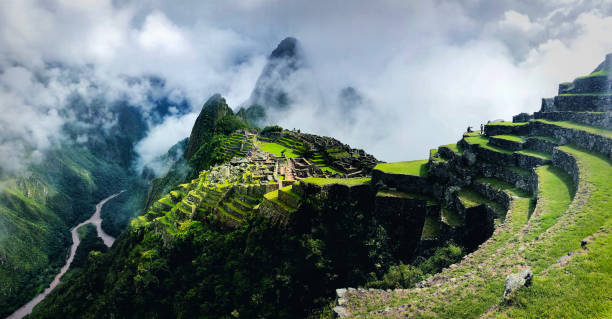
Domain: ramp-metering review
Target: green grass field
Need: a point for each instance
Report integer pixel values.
(277, 149)
(513, 138)
(416, 168)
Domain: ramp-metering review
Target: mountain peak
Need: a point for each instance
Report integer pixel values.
(213, 111)
(287, 48)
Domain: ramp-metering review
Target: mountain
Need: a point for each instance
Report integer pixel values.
(510, 222)
(40, 204)
(271, 94)
(214, 111)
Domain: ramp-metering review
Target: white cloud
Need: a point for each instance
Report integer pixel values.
(161, 35)
(514, 19)
(161, 138)
(426, 69)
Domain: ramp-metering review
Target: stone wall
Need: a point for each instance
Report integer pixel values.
(539, 145)
(507, 144)
(492, 129)
(589, 84)
(567, 163)
(527, 183)
(493, 194)
(401, 182)
(548, 105)
(583, 103)
(528, 161)
(522, 117)
(601, 119)
(591, 142)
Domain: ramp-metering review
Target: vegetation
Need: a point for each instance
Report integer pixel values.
(277, 149)
(271, 129)
(513, 138)
(416, 168)
(36, 213)
(407, 276)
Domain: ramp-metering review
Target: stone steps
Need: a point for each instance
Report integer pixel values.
(486, 151)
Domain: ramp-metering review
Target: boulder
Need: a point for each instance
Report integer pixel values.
(515, 282)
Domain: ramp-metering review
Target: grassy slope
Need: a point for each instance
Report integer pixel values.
(277, 149)
(416, 168)
(480, 277)
(513, 138)
(582, 289)
(36, 213)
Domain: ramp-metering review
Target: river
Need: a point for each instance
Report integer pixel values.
(95, 219)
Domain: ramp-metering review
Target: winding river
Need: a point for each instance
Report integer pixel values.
(108, 241)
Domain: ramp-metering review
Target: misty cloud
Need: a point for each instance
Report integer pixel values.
(423, 71)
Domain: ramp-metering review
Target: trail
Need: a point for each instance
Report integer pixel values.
(95, 219)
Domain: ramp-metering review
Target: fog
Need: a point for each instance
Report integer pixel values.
(424, 71)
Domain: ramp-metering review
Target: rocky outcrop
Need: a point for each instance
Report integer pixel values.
(514, 282)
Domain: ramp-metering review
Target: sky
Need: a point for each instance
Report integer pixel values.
(425, 69)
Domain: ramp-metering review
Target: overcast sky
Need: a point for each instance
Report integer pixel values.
(426, 69)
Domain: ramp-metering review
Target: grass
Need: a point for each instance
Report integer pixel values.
(513, 138)
(471, 198)
(455, 148)
(581, 289)
(325, 167)
(483, 142)
(555, 192)
(273, 197)
(602, 72)
(543, 155)
(289, 190)
(341, 181)
(451, 217)
(583, 127)
(277, 149)
(431, 228)
(499, 184)
(416, 168)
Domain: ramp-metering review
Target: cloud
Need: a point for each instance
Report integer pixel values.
(425, 70)
(161, 138)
